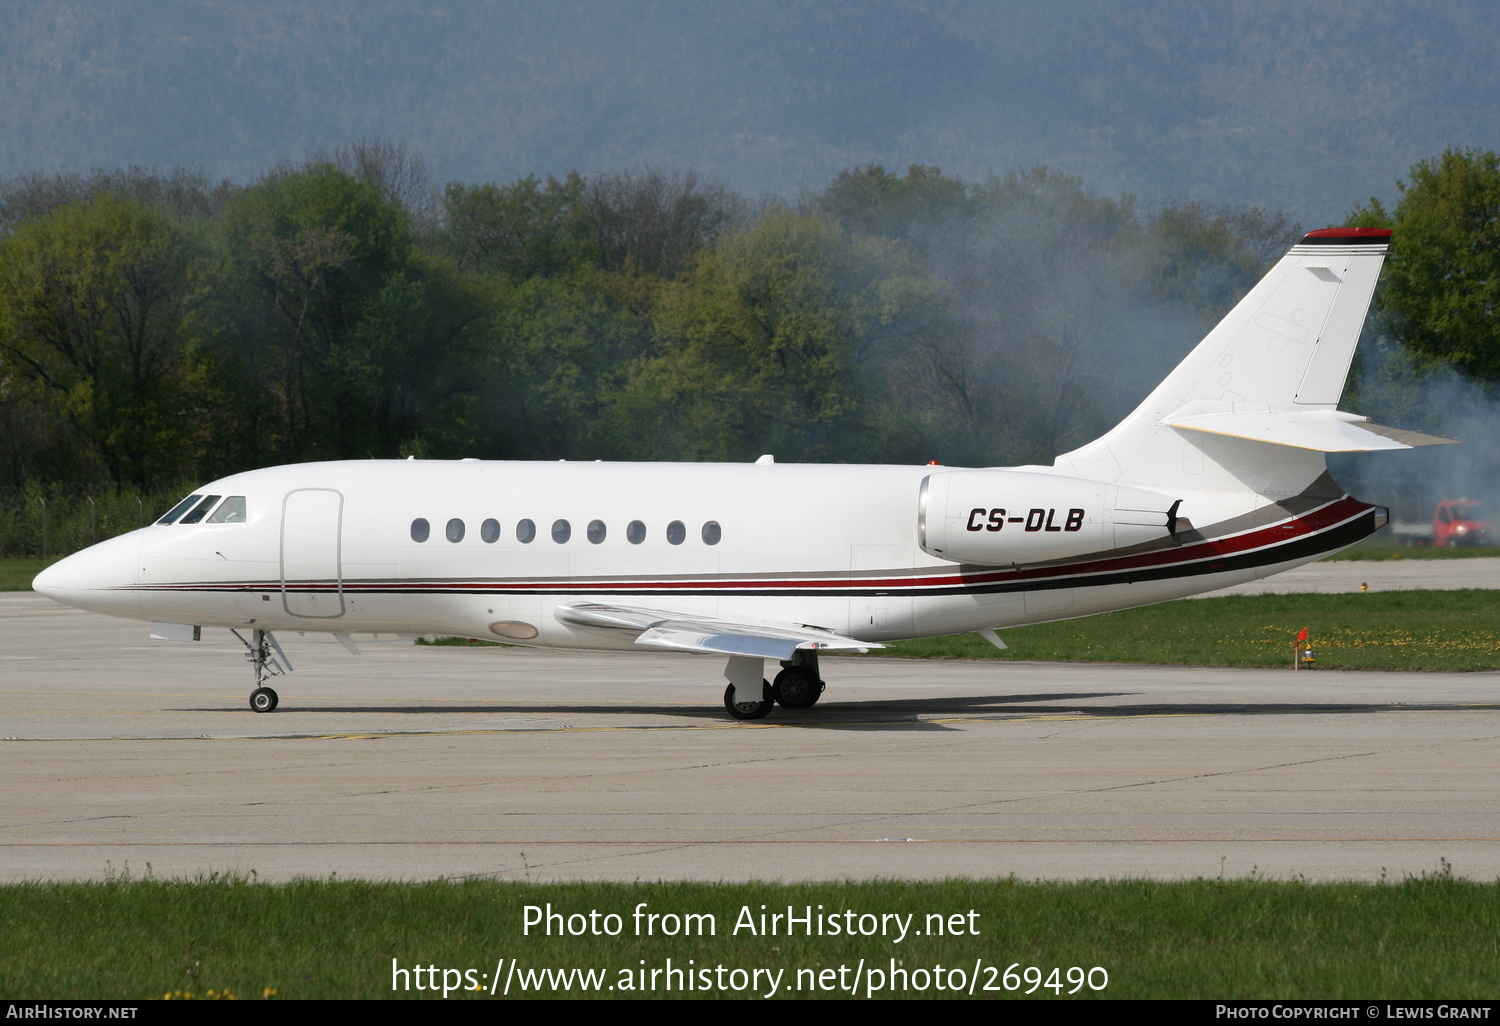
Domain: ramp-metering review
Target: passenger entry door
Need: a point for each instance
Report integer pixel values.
(311, 581)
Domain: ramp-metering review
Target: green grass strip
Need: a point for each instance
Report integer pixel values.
(1432, 937)
(1363, 552)
(1395, 630)
(16, 574)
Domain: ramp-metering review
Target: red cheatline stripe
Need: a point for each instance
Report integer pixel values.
(1331, 515)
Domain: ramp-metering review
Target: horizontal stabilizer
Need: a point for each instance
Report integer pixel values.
(1318, 430)
(661, 629)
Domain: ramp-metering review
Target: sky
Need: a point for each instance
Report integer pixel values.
(1308, 108)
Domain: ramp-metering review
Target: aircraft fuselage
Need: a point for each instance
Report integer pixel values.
(332, 547)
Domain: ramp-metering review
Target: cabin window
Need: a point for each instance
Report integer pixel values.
(490, 531)
(561, 531)
(178, 510)
(597, 531)
(525, 532)
(676, 532)
(420, 529)
(230, 511)
(635, 533)
(200, 509)
(455, 530)
(712, 533)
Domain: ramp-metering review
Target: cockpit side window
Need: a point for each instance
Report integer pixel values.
(178, 510)
(200, 509)
(230, 511)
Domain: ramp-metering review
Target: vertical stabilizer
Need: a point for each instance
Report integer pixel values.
(1279, 357)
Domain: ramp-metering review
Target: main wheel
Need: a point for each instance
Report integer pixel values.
(749, 710)
(795, 688)
(263, 700)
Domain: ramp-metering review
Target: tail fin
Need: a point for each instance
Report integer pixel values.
(1269, 375)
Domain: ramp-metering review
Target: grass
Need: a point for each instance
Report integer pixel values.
(16, 574)
(1432, 937)
(1386, 550)
(1398, 630)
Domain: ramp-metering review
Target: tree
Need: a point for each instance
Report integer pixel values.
(1441, 296)
(331, 318)
(764, 345)
(1206, 258)
(184, 193)
(924, 209)
(98, 308)
(397, 172)
(653, 222)
(524, 230)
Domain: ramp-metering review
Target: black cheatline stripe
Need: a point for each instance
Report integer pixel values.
(1308, 546)
(1344, 534)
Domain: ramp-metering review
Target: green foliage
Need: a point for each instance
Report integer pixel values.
(332, 322)
(1205, 258)
(921, 209)
(1422, 937)
(49, 519)
(528, 229)
(565, 348)
(760, 347)
(654, 222)
(1407, 630)
(155, 326)
(98, 306)
(1442, 284)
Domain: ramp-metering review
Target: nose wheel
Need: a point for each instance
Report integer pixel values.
(259, 652)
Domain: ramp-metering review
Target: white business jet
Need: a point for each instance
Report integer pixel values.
(1217, 478)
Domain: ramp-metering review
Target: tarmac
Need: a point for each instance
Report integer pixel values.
(124, 756)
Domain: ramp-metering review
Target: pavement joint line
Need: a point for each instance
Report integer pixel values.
(659, 845)
(998, 717)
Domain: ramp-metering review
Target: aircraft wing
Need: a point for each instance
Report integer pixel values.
(763, 639)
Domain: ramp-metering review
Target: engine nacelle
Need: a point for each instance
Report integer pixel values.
(1000, 517)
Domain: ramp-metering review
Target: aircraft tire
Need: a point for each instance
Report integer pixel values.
(797, 689)
(749, 710)
(263, 700)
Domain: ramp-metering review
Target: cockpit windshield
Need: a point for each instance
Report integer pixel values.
(194, 508)
(230, 511)
(201, 510)
(179, 509)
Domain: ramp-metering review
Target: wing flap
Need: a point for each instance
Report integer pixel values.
(659, 628)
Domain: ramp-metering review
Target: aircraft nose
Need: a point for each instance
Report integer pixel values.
(101, 578)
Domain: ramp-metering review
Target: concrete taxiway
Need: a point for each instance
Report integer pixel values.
(128, 755)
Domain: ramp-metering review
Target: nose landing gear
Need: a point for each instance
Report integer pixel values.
(265, 665)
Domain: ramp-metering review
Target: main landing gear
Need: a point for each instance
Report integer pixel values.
(797, 686)
(266, 665)
(751, 710)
